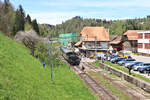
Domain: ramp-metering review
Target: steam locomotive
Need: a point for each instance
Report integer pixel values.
(70, 56)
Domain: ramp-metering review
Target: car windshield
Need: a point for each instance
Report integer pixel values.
(146, 64)
(124, 59)
(133, 62)
(139, 64)
(130, 60)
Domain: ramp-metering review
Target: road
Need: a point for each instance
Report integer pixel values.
(141, 58)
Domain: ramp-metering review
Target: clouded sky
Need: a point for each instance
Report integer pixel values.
(56, 11)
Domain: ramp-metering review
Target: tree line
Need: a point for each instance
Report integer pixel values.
(116, 27)
(12, 21)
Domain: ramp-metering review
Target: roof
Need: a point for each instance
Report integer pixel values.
(112, 37)
(94, 34)
(132, 34)
(117, 40)
(78, 43)
(65, 50)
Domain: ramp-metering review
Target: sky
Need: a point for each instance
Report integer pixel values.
(57, 11)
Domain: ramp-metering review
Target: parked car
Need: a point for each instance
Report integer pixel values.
(113, 59)
(135, 68)
(131, 64)
(122, 62)
(117, 60)
(112, 56)
(100, 56)
(125, 54)
(144, 69)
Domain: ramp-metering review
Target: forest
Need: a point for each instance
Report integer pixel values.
(116, 27)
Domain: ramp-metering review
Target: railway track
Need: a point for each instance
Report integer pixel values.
(132, 92)
(98, 89)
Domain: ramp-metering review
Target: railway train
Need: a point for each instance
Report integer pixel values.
(70, 56)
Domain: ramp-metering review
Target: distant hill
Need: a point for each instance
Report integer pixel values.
(116, 27)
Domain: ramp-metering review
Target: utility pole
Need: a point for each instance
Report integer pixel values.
(95, 45)
(51, 54)
(51, 62)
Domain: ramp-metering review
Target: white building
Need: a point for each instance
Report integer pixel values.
(144, 42)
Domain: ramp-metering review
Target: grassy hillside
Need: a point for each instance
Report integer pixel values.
(22, 77)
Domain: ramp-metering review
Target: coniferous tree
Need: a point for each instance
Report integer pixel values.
(28, 19)
(35, 26)
(19, 20)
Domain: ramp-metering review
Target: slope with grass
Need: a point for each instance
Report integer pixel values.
(22, 77)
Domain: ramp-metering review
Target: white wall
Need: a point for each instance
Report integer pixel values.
(144, 51)
(143, 41)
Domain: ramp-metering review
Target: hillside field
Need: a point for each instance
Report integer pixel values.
(22, 77)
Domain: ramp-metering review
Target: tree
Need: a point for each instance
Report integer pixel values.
(35, 26)
(19, 20)
(6, 17)
(28, 19)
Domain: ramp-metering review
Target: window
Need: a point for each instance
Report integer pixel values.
(140, 45)
(147, 46)
(147, 36)
(140, 36)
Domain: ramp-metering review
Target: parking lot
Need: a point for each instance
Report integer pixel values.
(137, 58)
(141, 58)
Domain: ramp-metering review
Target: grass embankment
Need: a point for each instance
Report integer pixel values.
(126, 71)
(22, 77)
(96, 63)
(110, 86)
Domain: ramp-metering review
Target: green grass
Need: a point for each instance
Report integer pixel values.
(96, 63)
(110, 87)
(126, 71)
(22, 77)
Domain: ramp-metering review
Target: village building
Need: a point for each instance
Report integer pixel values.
(116, 43)
(94, 39)
(129, 39)
(144, 42)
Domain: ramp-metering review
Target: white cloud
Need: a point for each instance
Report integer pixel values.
(53, 17)
(59, 17)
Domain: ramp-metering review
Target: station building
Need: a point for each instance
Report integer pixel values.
(94, 39)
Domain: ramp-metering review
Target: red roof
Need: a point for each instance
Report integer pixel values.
(94, 34)
(132, 34)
